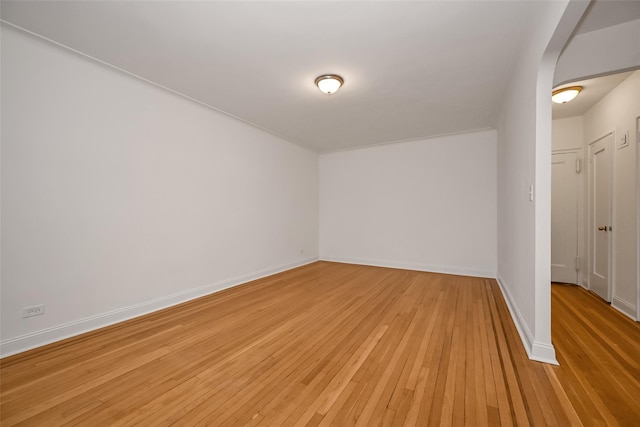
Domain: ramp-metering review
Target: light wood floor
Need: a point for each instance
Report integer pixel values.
(330, 344)
(598, 349)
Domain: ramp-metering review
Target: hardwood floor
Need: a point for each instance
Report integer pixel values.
(327, 344)
(598, 350)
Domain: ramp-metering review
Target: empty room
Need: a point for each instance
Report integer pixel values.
(279, 213)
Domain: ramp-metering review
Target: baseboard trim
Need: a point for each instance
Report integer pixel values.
(624, 307)
(43, 337)
(540, 352)
(411, 266)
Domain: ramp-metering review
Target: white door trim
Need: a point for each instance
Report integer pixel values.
(638, 218)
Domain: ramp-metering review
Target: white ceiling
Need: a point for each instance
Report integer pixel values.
(411, 69)
(606, 13)
(593, 90)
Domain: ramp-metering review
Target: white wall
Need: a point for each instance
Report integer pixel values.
(524, 160)
(425, 205)
(618, 112)
(567, 134)
(595, 53)
(119, 197)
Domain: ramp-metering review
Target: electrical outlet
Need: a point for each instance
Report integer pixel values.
(34, 310)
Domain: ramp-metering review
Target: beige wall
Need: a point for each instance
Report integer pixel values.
(567, 134)
(617, 112)
(119, 197)
(423, 205)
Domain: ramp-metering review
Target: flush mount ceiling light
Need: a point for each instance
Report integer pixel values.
(329, 83)
(566, 94)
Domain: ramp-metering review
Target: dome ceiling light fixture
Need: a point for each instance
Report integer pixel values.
(565, 94)
(329, 83)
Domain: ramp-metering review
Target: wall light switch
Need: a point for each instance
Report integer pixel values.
(623, 141)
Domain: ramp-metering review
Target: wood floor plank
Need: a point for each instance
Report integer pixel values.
(502, 397)
(599, 349)
(335, 344)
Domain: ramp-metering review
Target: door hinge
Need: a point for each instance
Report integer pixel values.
(578, 165)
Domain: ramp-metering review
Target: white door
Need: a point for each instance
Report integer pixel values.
(600, 193)
(565, 184)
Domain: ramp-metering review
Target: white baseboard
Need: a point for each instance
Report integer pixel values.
(36, 339)
(543, 352)
(411, 266)
(624, 307)
(540, 352)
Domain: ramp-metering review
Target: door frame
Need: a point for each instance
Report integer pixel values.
(638, 218)
(611, 242)
(582, 254)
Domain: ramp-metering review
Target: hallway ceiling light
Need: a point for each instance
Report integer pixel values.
(566, 94)
(329, 83)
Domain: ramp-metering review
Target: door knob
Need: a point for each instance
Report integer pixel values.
(604, 228)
